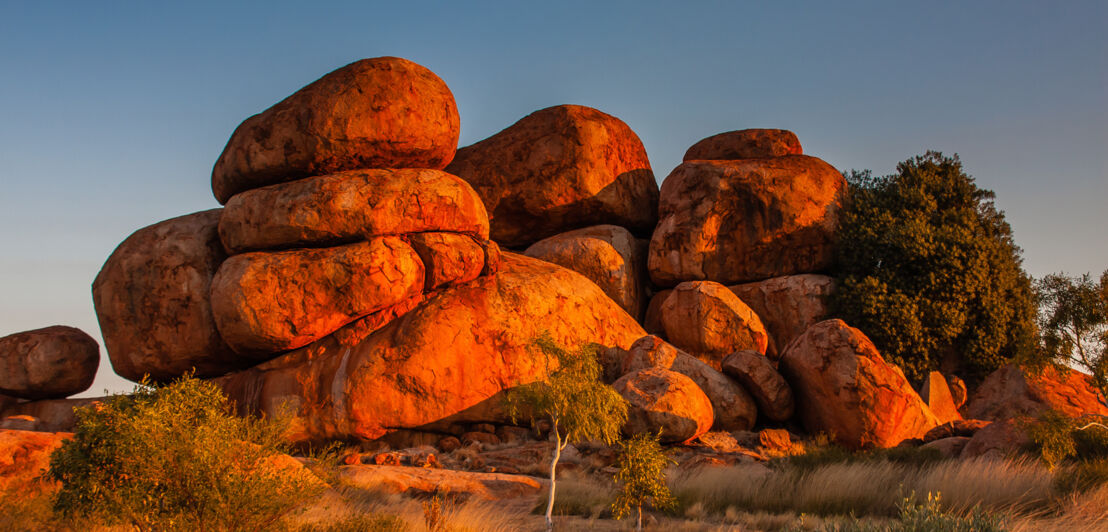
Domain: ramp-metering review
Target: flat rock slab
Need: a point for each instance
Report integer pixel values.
(427, 481)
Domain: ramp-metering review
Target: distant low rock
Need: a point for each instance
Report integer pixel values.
(957, 427)
(51, 362)
(665, 401)
(787, 305)
(50, 415)
(758, 376)
(746, 144)
(1012, 391)
(384, 112)
(709, 321)
(558, 169)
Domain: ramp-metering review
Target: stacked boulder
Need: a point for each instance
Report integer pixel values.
(38, 370)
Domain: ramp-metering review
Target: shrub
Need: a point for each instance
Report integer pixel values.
(641, 477)
(1074, 323)
(177, 458)
(1057, 437)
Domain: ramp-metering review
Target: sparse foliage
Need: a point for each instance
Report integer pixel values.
(577, 404)
(1073, 318)
(641, 477)
(927, 268)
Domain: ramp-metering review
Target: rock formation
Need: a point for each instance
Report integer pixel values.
(787, 305)
(745, 144)
(47, 363)
(1011, 392)
(666, 403)
(936, 394)
(709, 321)
(758, 376)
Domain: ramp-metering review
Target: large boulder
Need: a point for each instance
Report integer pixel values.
(608, 255)
(384, 112)
(734, 408)
(1012, 391)
(709, 321)
(268, 302)
(353, 205)
(45, 363)
(24, 456)
(746, 144)
(787, 305)
(558, 169)
(936, 393)
(844, 387)
(152, 301)
(745, 220)
(758, 376)
(666, 403)
(447, 360)
(1000, 439)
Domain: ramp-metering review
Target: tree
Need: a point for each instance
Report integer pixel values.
(177, 458)
(642, 477)
(1073, 318)
(577, 404)
(927, 268)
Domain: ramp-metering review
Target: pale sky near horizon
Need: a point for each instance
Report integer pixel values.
(111, 116)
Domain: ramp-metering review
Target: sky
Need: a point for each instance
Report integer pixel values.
(112, 114)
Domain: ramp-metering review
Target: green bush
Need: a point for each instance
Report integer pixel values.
(176, 458)
(1057, 437)
(926, 517)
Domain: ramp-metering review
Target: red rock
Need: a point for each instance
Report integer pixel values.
(665, 401)
(384, 112)
(268, 302)
(1013, 392)
(445, 361)
(349, 206)
(758, 376)
(745, 220)
(416, 481)
(23, 457)
(608, 255)
(51, 415)
(448, 258)
(958, 390)
(787, 305)
(448, 444)
(996, 440)
(957, 427)
(46, 363)
(558, 169)
(733, 407)
(844, 387)
(652, 320)
(937, 395)
(709, 321)
(746, 144)
(775, 439)
(152, 301)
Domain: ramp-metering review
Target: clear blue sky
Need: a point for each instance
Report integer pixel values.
(111, 116)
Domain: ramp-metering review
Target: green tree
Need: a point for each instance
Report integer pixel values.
(177, 458)
(577, 404)
(1073, 318)
(642, 477)
(927, 268)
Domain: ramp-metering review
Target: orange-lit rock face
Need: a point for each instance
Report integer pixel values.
(448, 258)
(50, 362)
(758, 376)
(267, 302)
(936, 394)
(745, 220)
(449, 357)
(709, 321)
(608, 255)
(152, 302)
(348, 206)
(666, 401)
(24, 456)
(843, 386)
(787, 305)
(732, 406)
(1013, 392)
(558, 169)
(384, 112)
(746, 144)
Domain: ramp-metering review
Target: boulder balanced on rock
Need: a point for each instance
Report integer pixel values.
(47, 363)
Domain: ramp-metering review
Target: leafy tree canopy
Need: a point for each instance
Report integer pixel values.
(1074, 323)
(641, 477)
(927, 268)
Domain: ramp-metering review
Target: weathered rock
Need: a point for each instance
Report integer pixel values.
(446, 361)
(1014, 392)
(665, 401)
(20, 423)
(775, 440)
(843, 386)
(51, 415)
(950, 447)
(23, 457)
(709, 321)
(46, 363)
(448, 258)
(416, 481)
(608, 255)
(787, 305)
(958, 390)
(733, 407)
(652, 320)
(745, 220)
(758, 376)
(350, 206)
(384, 112)
(746, 144)
(936, 394)
(957, 427)
(268, 302)
(997, 440)
(558, 169)
(152, 301)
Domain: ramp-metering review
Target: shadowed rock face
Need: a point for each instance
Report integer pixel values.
(758, 376)
(1013, 392)
(843, 386)
(745, 220)
(384, 112)
(666, 403)
(746, 144)
(787, 305)
(558, 169)
(45, 363)
(447, 359)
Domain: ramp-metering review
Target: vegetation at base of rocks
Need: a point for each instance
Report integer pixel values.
(1056, 437)
(641, 477)
(928, 269)
(1073, 320)
(176, 457)
(361, 523)
(824, 451)
(926, 516)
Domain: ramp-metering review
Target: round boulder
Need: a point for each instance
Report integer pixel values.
(709, 321)
(47, 363)
(757, 374)
(666, 401)
(746, 144)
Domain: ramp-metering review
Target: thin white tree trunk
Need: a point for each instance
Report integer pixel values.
(553, 469)
(638, 526)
